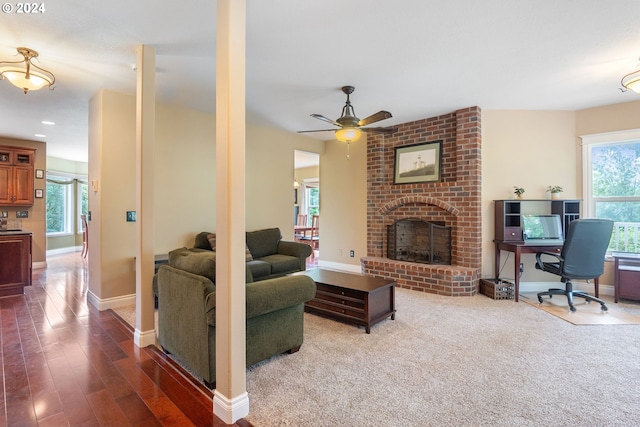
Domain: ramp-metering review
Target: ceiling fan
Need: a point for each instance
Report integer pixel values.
(350, 126)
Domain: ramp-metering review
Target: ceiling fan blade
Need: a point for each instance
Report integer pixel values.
(318, 130)
(325, 119)
(387, 130)
(380, 115)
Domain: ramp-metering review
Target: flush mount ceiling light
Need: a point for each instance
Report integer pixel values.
(25, 74)
(631, 82)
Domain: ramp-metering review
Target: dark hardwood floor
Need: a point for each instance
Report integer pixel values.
(66, 363)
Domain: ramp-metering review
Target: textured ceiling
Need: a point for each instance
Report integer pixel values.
(414, 58)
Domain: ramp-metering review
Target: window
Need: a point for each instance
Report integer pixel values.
(65, 197)
(312, 197)
(83, 203)
(612, 185)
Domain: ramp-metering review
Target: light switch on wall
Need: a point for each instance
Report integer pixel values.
(131, 216)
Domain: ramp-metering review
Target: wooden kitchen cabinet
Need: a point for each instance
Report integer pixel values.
(16, 176)
(15, 262)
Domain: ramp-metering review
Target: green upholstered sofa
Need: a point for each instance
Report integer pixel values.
(270, 256)
(186, 312)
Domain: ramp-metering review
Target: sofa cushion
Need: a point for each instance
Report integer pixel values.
(202, 241)
(211, 238)
(263, 242)
(259, 269)
(200, 262)
(282, 264)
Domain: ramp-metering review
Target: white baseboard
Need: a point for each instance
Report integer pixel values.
(107, 303)
(340, 266)
(580, 286)
(66, 250)
(143, 339)
(39, 264)
(230, 410)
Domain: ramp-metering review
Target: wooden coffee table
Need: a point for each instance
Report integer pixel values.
(352, 298)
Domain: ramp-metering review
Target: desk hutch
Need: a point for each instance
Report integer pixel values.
(508, 230)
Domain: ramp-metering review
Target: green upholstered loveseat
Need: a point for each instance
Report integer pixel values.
(187, 305)
(270, 256)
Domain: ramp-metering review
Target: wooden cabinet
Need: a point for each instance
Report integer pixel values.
(15, 262)
(16, 176)
(508, 226)
(627, 276)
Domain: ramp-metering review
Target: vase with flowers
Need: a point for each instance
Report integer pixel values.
(555, 191)
(518, 191)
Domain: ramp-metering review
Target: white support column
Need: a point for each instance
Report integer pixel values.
(145, 136)
(231, 401)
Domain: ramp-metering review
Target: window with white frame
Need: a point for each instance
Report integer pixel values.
(312, 197)
(611, 181)
(64, 199)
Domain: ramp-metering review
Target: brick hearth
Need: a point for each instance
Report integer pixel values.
(456, 200)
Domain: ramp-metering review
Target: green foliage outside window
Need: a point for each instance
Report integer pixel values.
(313, 201)
(616, 191)
(55, 207)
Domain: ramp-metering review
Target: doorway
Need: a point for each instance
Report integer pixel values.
(306, 199)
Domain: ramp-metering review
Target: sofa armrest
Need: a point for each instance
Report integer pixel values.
(182, 313)
(271, 295)
(296, 249)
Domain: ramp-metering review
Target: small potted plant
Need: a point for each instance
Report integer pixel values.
(518, 191)
(555, 191)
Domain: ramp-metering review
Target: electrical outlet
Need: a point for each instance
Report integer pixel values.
(522, 267)
(131, 216)
(352, 253)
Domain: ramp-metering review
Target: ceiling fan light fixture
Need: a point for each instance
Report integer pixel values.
(348, 134)
(24, 74)
(631, 81)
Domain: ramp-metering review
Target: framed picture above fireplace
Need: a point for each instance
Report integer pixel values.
(417, 163)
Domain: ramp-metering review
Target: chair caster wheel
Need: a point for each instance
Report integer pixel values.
(540, 300)
(573, 309)
(604, 308)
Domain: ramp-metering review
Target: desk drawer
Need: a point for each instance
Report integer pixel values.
(512, 234)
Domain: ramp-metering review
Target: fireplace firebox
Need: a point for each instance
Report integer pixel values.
(416, 240)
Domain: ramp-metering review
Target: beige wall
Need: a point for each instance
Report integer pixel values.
(36, 223)
(534, 149)
(270, 170)
(343, 202)
(529, 149)
(112, 170)
(185, 183)
(609, 118)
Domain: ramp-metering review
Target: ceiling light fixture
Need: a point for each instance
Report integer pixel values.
(348, 134)
(631, 82)
(25, 74)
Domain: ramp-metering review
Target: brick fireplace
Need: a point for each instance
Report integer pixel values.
(454, 201)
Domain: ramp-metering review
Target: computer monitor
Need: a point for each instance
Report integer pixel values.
(542, 230)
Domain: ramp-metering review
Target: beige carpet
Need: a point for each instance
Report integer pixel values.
(585, 314)
(453, 361)
(127, 313)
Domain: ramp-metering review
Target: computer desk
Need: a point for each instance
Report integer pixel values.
(518, 248)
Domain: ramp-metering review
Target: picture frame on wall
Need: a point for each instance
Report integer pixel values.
(39, 193)
(39, 173)
(418, 163)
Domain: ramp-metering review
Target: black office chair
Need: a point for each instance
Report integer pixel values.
(582, 257)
